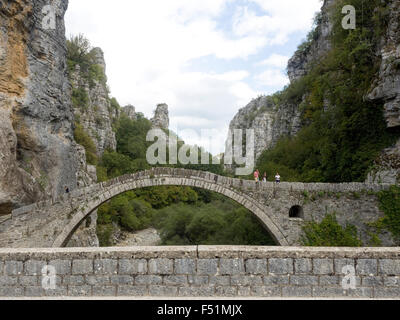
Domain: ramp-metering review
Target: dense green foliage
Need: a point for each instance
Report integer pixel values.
(337, 142)
(79, 53)
(220, 222)
(82, 138)
(390, 205)
(329, 233)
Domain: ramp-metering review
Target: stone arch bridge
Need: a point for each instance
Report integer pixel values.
(282, 209)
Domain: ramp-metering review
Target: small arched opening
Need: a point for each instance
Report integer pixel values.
(296, 212)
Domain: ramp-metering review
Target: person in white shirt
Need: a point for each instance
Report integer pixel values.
(278, 178)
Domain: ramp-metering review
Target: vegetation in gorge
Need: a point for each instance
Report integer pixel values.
(389, 203)
(329, 233)
(183, 215)
(337, 142)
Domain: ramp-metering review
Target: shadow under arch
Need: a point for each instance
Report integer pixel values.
(169, 177)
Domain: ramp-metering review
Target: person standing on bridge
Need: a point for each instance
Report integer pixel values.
(278, 178)
(265, 177)
(257, 175)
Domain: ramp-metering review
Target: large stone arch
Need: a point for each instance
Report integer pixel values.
(169, 177)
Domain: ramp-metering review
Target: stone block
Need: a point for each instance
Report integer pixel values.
(328, 280)
(304, 280)
(163, 291)
(8, 281)
(207, 266)
(62, 266)
(387, 292)
(280, 266)
(329, 292)
(198, 280)
(196, 292)
(276, 280)
(240, 280)
(34, 291)
(367, 267)
(175, 280)
(389, 267)
(266, 291)
(148, 279)
(13, 268)
(11, 292)
(257, 266)
(82, 267)
(392, 281)
(104, 291)
(121, 280)
(80, 291)
(73, 280)
(161, 266)
(341, 263)
(27, 281)
(185, 266)
(372, 281)
(34, 267)
(129, 267)
(231, 266)
(226, 291)
(323, 266)
(97, 280)
(132, 291)
(106, 266)
(302, 266)
(294, 291)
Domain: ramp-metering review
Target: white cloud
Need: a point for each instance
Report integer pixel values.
(275, 60)
(281, 19)
(272, 77)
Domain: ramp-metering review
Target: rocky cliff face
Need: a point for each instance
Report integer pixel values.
(315, 47)
(161, 117)
(38, 155)
(269, 121)
(96, 114)
(387, 89)
(130, 112)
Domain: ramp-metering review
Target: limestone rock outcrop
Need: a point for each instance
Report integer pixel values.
(311, 51)
(38, 155)
(96, 114)
(161, 117)
(269, 121)
(386, 89)
(130, 112)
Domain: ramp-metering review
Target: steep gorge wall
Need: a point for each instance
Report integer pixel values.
(97, 115)
(38, 155)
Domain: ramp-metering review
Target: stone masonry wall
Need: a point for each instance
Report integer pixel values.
(201, 272)
(51, 223)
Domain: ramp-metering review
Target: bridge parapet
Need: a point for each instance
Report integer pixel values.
(202, 271)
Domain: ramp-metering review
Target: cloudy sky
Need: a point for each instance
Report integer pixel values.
(205, 58)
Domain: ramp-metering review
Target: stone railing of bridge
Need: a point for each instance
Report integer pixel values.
(51, 223)
(201, 272)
